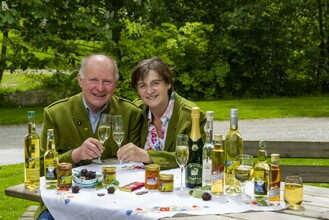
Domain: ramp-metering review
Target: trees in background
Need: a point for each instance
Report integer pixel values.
(218, 48)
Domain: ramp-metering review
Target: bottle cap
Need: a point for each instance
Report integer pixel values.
(195, 112)
(210, 115)
(234, 113)
(275, 157)
(262, 144)
(31, 113)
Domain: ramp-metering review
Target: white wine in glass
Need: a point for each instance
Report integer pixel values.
(293, 192)
(104, 131)
(243, 170)
(117, 130)
(182, 154)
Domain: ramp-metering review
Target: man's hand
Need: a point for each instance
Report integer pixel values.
(131, 152)
(90, 149)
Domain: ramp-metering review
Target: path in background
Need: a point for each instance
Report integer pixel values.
(283, 129)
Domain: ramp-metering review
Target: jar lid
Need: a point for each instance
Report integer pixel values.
(64, 166)
(108, 168)
(152, 167)
(166, 176)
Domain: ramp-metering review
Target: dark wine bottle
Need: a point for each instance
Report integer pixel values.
(194, 167)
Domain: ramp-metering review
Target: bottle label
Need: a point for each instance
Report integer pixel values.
(152, 180)
(274, 190)
(217, 176)
(260, 186)
(50, 166)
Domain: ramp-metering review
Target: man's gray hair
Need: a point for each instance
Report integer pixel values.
(85, 60)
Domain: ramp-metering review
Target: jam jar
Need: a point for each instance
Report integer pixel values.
(152, 176)
(166, 182)
(64, 175)
(109, 174)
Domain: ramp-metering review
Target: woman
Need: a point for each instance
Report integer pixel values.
(166, 114)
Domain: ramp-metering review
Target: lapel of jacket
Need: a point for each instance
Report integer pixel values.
(81, 119)
(173, 124)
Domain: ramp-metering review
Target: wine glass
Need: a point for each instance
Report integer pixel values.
(182, 154)
(117, 130)
(103, 132)
(243, 169)
(293, 192)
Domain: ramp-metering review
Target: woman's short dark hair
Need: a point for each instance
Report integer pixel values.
(155, 64)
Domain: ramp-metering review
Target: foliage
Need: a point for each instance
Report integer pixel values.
(219, 48)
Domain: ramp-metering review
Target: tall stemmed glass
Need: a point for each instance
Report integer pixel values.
(182, 154)
(243, 172)
(117, 130)
(104, 131)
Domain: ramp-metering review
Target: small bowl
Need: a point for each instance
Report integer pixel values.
(85, 183)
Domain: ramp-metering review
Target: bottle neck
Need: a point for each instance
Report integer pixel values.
(261, 155)
(31, 127)
(209, 132)
(195, 131)
(233, 123)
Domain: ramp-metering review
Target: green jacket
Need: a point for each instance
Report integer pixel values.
(70, 121)
(179, 123)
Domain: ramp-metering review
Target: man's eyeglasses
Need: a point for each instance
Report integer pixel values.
(154, 85)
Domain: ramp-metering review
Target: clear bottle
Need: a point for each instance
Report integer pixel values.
(261, 175)
(274, 194)
(195, 143)
(32, 155)
(50, 161)
(207, 149)
(233, 147)
(217, 168)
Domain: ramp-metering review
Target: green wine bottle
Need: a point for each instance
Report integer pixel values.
(50, 161)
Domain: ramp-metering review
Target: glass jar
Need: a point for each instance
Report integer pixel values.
(109, 174)
(166, 182)
(152, 176)
(64, 175)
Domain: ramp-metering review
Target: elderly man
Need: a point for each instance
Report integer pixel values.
(75, 119)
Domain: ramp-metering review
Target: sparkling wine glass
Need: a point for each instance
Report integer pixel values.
(103, 132)
(117, 130)
(243, 169)
(182, 154)
(293, 192)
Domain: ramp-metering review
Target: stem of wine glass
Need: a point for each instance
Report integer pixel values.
(181, 178)
(243, 195)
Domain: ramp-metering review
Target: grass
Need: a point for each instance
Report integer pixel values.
(12, 208)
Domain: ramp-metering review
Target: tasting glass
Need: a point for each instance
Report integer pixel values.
(182, 154)
(293, 192)
(103, 131)
(243, 172)
(117, 130)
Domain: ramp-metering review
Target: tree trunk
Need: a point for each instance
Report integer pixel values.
(3, 56)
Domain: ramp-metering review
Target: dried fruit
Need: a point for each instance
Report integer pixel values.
(75, 189)
(111, 190)
(206, 196)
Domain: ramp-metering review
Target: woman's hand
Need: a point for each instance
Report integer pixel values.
(130, 152)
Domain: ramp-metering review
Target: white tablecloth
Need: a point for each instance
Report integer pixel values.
(152, 205)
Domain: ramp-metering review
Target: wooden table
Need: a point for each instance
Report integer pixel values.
(315, 206)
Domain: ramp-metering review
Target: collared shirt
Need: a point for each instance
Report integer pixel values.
(94, 119)
(153, 141)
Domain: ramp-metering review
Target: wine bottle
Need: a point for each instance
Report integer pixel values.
(50, 161)
(274, 194)
(207, 149)
(233, 147)
(195, 143)
(217, 166)
(32, 155)
(261, 175)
